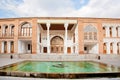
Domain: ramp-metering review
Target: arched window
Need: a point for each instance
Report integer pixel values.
(110, 31)
(118, 48)
(104, 31)
(5, 47)
(104, 48)
(12, 47)
(90, 33)
(111, 47)
(26, 29)
(5, 30)
(12, 30)
(117, 31)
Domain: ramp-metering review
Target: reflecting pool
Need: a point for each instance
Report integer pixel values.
(61, 67)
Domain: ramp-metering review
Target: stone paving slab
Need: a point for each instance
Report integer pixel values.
(20, 78)
(6, 61)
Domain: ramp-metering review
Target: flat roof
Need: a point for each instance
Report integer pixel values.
(60, 18)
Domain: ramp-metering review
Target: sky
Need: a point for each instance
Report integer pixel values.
(60, 8)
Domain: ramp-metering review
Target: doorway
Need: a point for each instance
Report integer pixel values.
(90, 48)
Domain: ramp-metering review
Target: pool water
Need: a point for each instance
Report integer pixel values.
(62, 67)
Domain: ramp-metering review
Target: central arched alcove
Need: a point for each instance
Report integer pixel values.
(90, 39)
(57, 44)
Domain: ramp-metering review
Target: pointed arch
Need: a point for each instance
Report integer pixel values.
(90, 33)
(57, 44)
(12, 26)
(5, 30)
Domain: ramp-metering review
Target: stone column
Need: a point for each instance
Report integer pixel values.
(38, 40)
(108, 48)
(114, 32)
(107, 31)
(48, 38)
(72, 49)
(8, 46)
(115, 48)
(76, 40)
(65, 40)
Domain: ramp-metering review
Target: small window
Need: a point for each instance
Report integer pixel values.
(95, 36)
(45, 50)
(90, 35)
(85, 48)
(28, 46)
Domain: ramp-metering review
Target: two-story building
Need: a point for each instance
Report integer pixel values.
(60, 35)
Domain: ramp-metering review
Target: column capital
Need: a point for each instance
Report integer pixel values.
(113, 26)
(115, 42)
(66, 25)
(108, 43)
(48, 25)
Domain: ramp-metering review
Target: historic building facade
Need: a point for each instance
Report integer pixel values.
(60, 35)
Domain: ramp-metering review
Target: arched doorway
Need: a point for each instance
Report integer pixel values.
(104, 48)
(57, 44)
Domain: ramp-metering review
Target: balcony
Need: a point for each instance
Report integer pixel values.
(25, 35)
(7, 36)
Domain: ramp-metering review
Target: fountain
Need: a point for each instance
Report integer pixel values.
(59, 65)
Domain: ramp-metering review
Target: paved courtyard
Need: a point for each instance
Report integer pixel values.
(20, 78)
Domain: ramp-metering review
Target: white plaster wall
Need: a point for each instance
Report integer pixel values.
(111, 40)
(23, 46)
(19, 46)
(44, 38)
(93, 49)
(76, 39)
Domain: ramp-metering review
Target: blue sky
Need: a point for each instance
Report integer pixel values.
(59, 8)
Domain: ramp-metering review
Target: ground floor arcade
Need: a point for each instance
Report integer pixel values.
(57, 47)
